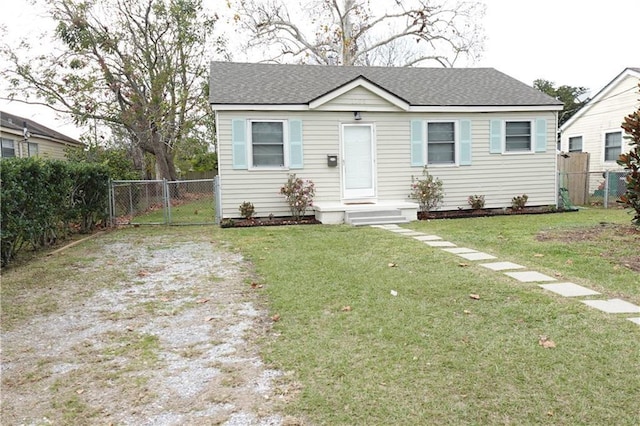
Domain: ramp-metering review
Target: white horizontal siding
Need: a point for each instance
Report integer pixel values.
(498, 177)
(357, 99)
(604, 116)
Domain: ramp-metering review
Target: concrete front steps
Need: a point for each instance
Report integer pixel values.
(376, 217)
(366, 213)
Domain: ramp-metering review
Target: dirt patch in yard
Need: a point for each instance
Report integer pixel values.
(173, 340)
(619, 235)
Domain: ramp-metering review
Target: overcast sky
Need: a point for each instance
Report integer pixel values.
(568, 42)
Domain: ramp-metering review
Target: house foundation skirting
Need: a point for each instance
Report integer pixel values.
(333, 213)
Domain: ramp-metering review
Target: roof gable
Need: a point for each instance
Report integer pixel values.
(603, 93)
(246, 84)
(364, 83)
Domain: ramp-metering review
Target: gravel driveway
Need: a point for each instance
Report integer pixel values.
(171, 339)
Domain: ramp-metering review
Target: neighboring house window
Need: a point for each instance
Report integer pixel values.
(575, 144)
(517, 136)
(8, 148)
(32, 149)
(267, 143)
(441, 142)
(612, 146)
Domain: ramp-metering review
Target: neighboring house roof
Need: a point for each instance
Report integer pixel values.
(604, 92)
(16, 123)
(283, 84)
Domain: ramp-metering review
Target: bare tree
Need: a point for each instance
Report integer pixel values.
(141, 65)
(351, 32)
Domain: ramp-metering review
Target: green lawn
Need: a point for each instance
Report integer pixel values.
(434, 355)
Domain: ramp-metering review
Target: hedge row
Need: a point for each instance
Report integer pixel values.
(43, 201)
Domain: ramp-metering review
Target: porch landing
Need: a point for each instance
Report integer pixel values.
(375, 213)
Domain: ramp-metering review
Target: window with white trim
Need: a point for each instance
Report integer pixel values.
(267, 143)
(8, 148)
(612, 146)
(32, 149)
(518, 136)
(441, 142)
(575, 144)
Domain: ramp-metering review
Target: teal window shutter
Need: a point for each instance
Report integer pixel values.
(296, 160)
(541, 135)
(495, 137)
(465, 142)
(239, 144)
(417, 143)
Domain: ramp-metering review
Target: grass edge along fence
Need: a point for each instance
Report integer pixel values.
(162, 202)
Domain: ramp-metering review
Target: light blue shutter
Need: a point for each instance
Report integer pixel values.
(495, 138)
(465, 142)
(239, 143)
(295, 145)
(417, 143)
(541, 135)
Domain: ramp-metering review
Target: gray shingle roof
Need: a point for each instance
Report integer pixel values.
(278, 84)
(15, 122)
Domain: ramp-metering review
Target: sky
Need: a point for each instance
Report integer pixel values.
(568, 42)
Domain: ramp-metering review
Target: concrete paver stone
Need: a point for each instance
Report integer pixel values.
(502, 266)
(613, 306)
(569, 289)
(476, 256)
(529, 276)
(458, 250)
(427, 238)
(636, 320)
(439, 243)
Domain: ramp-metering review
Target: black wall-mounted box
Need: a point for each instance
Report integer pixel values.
(332, 160)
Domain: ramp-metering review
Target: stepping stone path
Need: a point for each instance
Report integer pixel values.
(566, 289)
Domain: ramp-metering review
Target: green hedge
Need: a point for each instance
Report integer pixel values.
(43, 201)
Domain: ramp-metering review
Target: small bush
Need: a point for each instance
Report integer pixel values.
(519, 201)
(476, 201)
(427, 191)
(246, 209)
(299, 194)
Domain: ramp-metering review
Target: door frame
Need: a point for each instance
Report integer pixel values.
(369, 194)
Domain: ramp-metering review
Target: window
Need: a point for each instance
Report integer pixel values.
(267, 143)
(441, 143)
(32, 149)
(517, 136)
(612, 146)
(8, 149)
(575, 144)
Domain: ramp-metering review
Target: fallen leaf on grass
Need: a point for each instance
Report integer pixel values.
(475, 296)
(256, 285)
(538, 255)
(569, 262)
(394, 293)
(275, 318)
(392, 265)
(466, 311)
(346, 308)
(202, 301)
(143, 273)
(546, 343)
(209, 319)
(462, 265)
(80, 391)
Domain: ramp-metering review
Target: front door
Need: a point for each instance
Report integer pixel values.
(358, 166)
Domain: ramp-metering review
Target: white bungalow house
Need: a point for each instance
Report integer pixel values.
(595, 128)
(23, 137)
(361, 133)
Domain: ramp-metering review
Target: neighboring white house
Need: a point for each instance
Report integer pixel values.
(361, 133)
(595, 128)
(22, 137)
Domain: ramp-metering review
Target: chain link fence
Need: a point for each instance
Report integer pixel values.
(592, 188)
(162, 202)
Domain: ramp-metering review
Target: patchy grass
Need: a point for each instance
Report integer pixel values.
(596, 248)
(433, 353)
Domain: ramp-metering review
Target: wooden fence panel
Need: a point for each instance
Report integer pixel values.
(573, 169)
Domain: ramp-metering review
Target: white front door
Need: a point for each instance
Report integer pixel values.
(358, 165)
